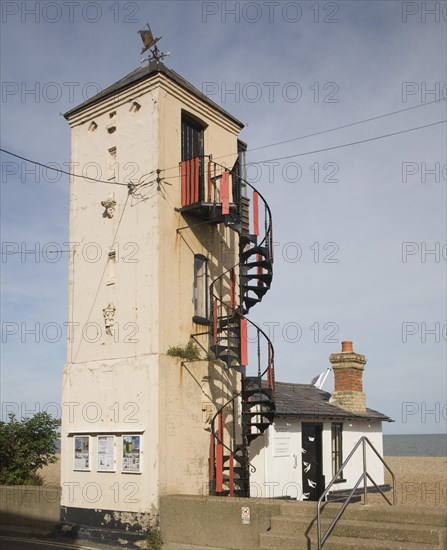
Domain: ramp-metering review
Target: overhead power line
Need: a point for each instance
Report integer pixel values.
(65, 171)
(265, 160)
(339, 146)
(356, 142)
(321, 132)
(378, 117)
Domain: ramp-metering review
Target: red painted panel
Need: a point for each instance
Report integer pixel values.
(231, 476)
(225, 192)
(188, 179)
(183, 173)
(191, 181)
(212, 457)
(196, 179)
(209, 181)
(244, 343)
(219, 468)
(255, 213)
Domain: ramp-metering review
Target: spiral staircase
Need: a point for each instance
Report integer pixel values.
(216, 195)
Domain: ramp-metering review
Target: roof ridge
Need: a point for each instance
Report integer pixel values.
(141, 73)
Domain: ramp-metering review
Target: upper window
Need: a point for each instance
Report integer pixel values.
(200, 296)
(192, 138)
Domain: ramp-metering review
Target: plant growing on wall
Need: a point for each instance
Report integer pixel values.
(154, 540)
(190, 352)
(26, 446)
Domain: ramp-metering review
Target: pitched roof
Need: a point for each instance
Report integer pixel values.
(144, 73)
(305, 400)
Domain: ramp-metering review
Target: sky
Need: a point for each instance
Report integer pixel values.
(359, 230)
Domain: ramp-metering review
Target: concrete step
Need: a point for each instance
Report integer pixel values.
(283, 542)
(402, 532)
(374, 513)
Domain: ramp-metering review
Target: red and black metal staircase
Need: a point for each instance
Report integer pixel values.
(213, 193)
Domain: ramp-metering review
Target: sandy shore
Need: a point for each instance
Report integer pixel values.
(51, 474)
(420, 481)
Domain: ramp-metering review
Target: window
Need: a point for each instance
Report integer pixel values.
(111, 261)
(200, 292)
(112, 164)
(192, 138)
(111, 126)
(337, 449)
(135, 107)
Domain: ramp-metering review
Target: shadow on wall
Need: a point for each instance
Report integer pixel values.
(30, 506)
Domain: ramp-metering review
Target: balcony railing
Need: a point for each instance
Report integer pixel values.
(205, 185)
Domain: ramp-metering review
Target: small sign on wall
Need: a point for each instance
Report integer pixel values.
(106, 453)
(245, 513)
(82, 453)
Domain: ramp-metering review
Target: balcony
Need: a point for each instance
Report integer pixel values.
(210, 191)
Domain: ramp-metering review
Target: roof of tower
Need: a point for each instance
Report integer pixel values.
(144, 73)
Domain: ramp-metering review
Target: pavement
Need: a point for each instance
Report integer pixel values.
(22, 538)
(19, 538)
(23, 543)
(19, 543)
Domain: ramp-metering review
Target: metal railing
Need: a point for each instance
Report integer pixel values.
(364, 477)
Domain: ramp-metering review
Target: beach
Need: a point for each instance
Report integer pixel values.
(420, 481)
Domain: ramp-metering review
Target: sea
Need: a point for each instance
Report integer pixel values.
(415, 445)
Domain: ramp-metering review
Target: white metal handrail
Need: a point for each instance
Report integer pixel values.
(364, 477)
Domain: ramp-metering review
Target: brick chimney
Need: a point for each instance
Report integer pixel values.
(348, 369)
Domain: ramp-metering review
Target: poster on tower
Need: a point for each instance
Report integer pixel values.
(82, 453)
(131, 453)
(106, 453)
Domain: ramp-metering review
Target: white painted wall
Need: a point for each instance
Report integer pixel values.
(108, 377)
(278, 459)
(352, 431)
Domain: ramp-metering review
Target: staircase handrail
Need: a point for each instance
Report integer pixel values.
(214, 281)
(269, 344)
(213, 420)
(233, 173)
(260, 195)
(365, 475)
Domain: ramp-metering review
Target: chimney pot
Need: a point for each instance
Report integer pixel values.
(346, 346)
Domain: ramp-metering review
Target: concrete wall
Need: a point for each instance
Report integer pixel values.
(216, 242)
(132, 232)
(124, 383)
(108, 404)
(186, 390)
(213, 521)
(31, 506)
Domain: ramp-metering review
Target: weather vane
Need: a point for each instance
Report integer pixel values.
(150, 43)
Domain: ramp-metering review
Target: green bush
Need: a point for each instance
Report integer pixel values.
(190, 352)
(26, 446)
(154, 540)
